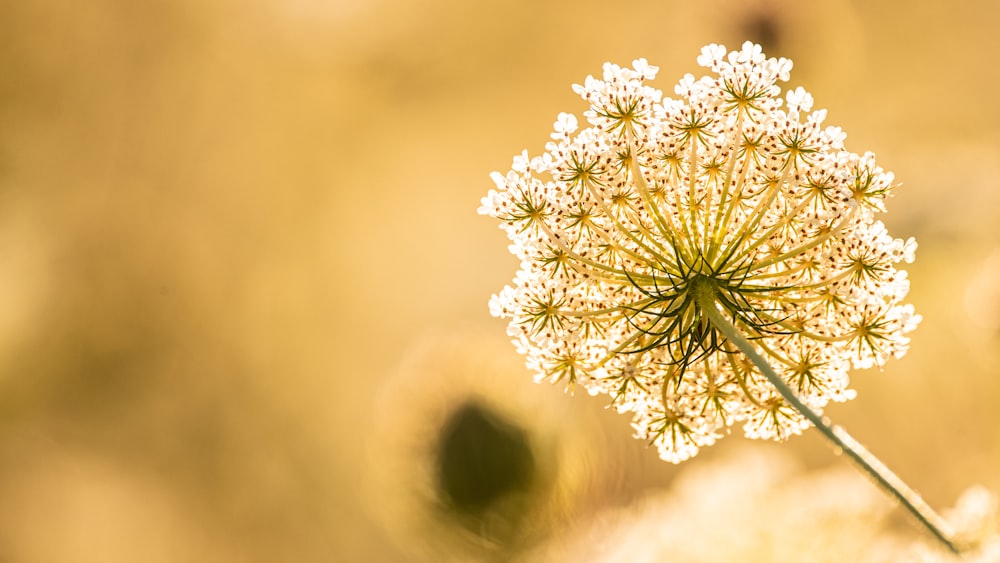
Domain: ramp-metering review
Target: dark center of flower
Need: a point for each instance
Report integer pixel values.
(481, 460)
(674, 316)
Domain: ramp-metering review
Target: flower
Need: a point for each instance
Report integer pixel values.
(761, 506)
(466, 465)
(747, 505)
(974, 519)
(728, 189)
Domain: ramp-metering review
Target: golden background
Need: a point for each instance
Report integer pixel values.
(224, 224)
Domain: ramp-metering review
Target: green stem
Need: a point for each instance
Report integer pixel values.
(840, 438)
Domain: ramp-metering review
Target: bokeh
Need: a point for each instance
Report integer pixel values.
(228, 228)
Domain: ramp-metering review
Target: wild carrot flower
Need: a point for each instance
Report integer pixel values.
(729, 194)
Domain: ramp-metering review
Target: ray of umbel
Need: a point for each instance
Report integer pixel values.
(706, 261)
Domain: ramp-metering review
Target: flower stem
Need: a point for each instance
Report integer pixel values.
(840, 438)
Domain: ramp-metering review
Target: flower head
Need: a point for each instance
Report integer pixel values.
(727, 189)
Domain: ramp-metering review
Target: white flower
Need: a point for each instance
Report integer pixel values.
(760, 507)
(725, 189)
(566, 124)
(746, 506)
(799, 100)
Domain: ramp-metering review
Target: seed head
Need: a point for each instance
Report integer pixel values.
(727, 189)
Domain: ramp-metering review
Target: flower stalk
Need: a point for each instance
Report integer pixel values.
(885, 477)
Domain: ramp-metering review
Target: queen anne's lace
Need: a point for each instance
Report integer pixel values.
(617, 224)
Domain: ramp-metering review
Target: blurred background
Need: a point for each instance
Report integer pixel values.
(243, 283)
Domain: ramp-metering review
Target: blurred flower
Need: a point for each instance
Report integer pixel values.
(974, 519)
(468, 464)
(799, 29)
(754, 506)
(749, 506)
(728, 189)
